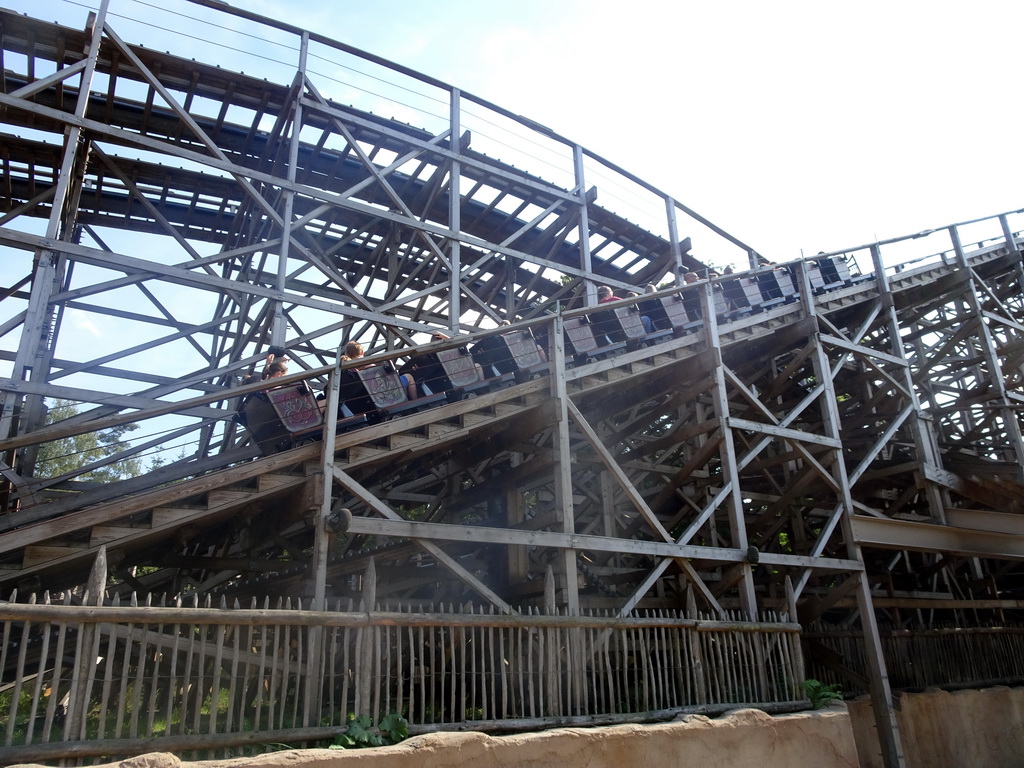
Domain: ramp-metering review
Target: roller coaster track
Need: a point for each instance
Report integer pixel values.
(62, 544)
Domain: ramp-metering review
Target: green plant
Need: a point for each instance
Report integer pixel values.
(277, 747)
(360, 732)
(821, 695)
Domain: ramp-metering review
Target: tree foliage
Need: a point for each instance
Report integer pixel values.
(68, 454)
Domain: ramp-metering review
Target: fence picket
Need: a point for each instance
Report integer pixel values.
(37, 689)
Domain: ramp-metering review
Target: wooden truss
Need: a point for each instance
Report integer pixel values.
(852, 443)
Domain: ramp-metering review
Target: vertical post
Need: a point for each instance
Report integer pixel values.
(799, 673)
(321, 549)
(730, 472)
(1011, 241)
(551, 646)
(608, 506)
(752, 259)
(878, 678)
(455, 213)
(700, 689)
(32, 360)
(958, 248)
(563, 463)
(321, 534)
(367, 648)
(279, 328)
(673, 236)
(566, 509)
(87, 652)
(580, 191)
(518, 555)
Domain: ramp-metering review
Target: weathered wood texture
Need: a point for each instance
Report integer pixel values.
(923, 656)
(173, 671)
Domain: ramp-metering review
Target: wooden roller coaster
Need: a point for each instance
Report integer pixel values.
(833, 438)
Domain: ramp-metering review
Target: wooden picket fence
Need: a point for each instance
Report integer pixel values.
(938, 655)
(90, 681)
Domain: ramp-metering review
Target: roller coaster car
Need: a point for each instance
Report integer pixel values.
(742, 294)
(369, 391)
(605, 326)
(353, 394)
(460, 370)
(522, 346)
(835, 272)
(281, 418)
(507, 356)
(631, 327)
(621, 326)
(771, 288)
(493, 356)
(677, 309)
(580, 338)
(655, 309)
(721, 306)
(430, 373)
(815, 276)
(383, 385)
(786, 284)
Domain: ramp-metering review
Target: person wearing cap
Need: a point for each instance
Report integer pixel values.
(276, 369)
(276, 354)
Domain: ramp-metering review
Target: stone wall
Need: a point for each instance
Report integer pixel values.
(746, 738)
(941, 729)
(976, 728)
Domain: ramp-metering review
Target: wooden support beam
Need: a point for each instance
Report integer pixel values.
(926, 537)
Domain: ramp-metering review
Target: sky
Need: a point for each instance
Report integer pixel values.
(792, 125)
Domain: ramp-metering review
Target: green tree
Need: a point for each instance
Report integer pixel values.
(58, 457)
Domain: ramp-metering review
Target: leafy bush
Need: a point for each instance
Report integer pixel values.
(360, 732)
(821, 695)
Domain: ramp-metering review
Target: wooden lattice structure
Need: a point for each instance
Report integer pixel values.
(836, 438)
